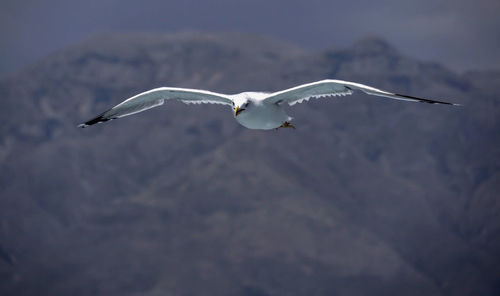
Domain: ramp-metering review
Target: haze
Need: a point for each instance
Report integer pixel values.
(459, 34)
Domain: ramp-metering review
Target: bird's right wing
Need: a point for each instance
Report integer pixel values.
(157, 97)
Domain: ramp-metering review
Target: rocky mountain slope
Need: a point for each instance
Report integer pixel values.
(367, 196)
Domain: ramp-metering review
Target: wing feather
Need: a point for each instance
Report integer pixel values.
(331, 88)
(156, 97)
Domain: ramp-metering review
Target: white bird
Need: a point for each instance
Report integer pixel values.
(253, 110)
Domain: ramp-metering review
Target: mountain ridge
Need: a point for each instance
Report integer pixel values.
(183, 200)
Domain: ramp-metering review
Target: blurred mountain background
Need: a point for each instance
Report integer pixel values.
(368, 196)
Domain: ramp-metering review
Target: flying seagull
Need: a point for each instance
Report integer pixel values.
(253, 110)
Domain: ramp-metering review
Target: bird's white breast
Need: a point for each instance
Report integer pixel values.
(262, 116)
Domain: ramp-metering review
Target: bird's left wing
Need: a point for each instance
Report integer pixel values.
(329, 88)
(157, 97)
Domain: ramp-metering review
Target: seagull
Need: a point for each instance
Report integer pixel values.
(253, 110)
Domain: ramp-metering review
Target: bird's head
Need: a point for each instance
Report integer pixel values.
(241, 106)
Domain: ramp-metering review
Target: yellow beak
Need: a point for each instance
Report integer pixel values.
(238, 110)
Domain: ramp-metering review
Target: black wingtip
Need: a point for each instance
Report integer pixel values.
(427, 100)
(98, 119)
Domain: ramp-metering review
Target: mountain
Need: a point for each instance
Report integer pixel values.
(367, 196)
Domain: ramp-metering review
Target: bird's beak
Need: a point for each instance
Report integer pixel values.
(238, 110)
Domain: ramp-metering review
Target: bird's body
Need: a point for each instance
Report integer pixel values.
(253, 110)
(260, 115)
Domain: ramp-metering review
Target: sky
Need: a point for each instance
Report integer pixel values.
(462, 35)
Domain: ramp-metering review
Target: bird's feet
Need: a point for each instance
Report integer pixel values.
(285, 124)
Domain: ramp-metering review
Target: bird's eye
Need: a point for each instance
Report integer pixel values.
(246, 105)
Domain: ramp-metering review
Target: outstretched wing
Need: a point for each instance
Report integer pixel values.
(329, 88)
(157, 97)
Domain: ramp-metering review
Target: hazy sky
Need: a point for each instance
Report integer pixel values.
(461, 34)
